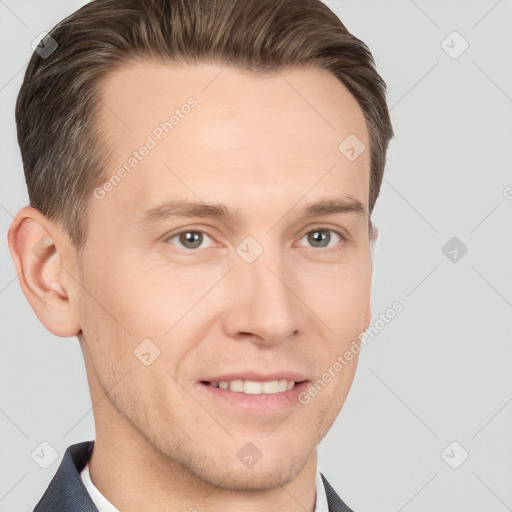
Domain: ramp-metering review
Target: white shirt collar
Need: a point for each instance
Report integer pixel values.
(103, 505)
(321, 504)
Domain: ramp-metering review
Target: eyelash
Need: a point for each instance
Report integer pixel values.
(320, 228)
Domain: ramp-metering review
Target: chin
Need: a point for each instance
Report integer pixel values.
(268, 472)
(266, 476)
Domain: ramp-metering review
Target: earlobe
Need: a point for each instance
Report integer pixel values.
(38, 263)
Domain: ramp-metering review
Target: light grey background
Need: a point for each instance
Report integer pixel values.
(441, 370)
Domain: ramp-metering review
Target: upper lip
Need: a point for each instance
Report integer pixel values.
(257, 376)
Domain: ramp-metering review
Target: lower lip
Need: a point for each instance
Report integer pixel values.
(270, 403)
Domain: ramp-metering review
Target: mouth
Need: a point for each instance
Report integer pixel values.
(255, 394)
(253, 387)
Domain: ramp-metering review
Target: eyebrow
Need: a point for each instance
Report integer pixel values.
(170, 209)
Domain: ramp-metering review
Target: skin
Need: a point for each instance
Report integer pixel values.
(252, 144)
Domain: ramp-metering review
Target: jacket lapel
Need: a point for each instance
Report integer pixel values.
(67, 492)
(333, 500)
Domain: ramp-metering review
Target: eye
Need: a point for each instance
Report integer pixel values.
(321, 237)
(190, 239)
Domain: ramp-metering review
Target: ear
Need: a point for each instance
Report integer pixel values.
(37, 246)
(374, 233)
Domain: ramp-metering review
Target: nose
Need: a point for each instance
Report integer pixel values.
(263, 305)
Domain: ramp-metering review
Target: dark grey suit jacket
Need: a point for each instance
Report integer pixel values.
(67, 492)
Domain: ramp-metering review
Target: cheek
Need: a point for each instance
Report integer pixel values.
(126, 298)
(341, 300)
(110, 315)
(163, 301)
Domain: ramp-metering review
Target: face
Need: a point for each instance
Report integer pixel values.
(255, 289)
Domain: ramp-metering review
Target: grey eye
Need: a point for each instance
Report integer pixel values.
(320, 238)
(190, 239)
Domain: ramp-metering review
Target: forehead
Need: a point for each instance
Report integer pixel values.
(273, 136)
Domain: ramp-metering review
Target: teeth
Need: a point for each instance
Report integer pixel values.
(251, 387)
(236, 385)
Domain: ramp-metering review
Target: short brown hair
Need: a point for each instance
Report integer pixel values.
(60, 144)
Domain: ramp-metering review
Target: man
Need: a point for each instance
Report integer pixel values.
(201, 178)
